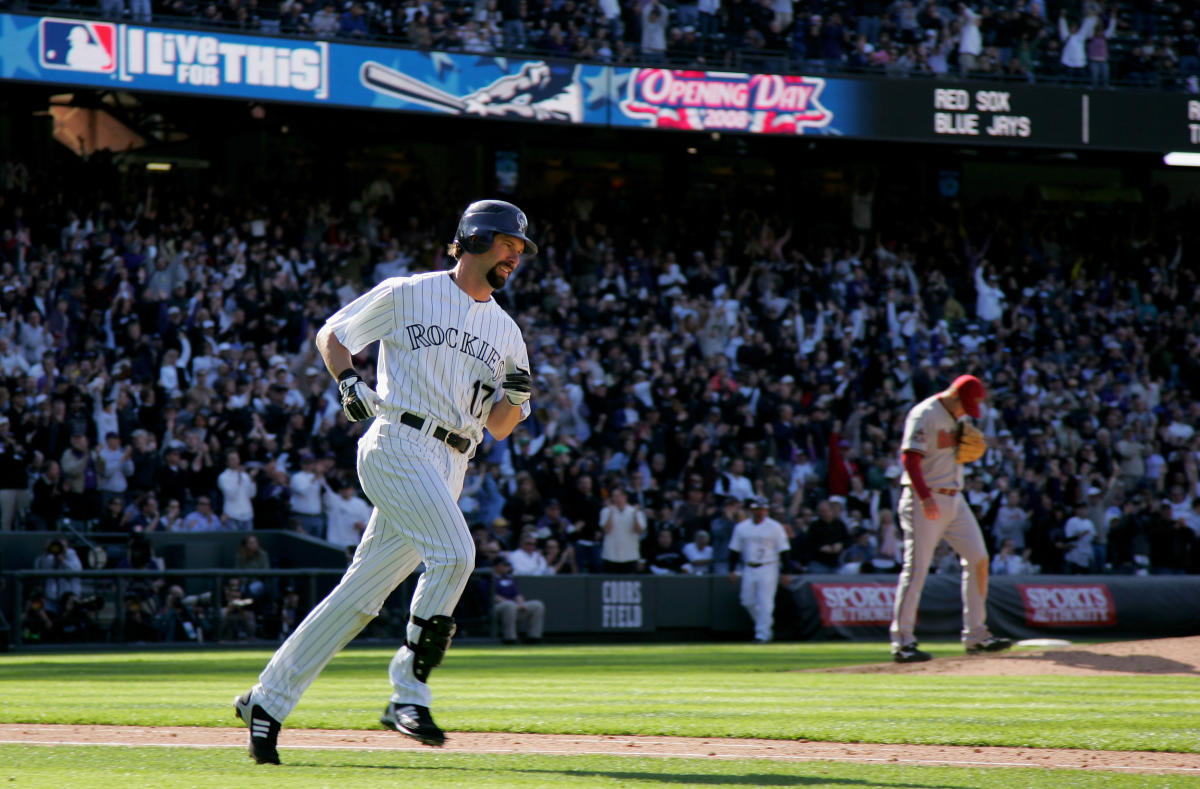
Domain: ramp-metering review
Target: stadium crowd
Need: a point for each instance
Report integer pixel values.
(1146, 43)
(158, 373)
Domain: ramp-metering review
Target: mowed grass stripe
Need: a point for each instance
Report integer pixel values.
(687, 690)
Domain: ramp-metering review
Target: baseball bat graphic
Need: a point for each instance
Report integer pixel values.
(395, 83)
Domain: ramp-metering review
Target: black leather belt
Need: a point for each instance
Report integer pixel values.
(752, 564)
(452, 440)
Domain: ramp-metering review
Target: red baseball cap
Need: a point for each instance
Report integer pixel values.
(970, 391)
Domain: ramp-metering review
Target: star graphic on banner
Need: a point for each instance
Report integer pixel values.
(17, 54)
(619, 80)
(606, 85)
(442, 63)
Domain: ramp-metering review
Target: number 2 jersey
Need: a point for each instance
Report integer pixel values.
(759, 543)
(441, 352)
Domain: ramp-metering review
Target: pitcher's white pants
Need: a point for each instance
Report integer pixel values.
(758, 597)
(414, 482)
(957, 525)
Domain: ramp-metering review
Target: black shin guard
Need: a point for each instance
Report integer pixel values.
(436, 633)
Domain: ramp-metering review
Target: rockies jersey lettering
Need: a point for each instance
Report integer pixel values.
(476, 347)
(441, 352)
(931, 430)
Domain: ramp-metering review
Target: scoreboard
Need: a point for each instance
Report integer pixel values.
(1003, 114)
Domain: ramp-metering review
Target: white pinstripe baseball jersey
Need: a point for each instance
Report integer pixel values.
(932, 430)
(441, 352)
(759, 543)
(441, 357)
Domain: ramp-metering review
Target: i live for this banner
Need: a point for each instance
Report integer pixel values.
(106, 54)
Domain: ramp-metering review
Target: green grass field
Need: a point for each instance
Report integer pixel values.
(687, 690)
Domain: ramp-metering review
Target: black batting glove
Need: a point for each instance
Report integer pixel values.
(359, 401)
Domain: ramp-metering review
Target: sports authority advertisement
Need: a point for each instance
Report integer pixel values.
(185, 61)
(1018, 607)
(854, 604)
(1068, 605)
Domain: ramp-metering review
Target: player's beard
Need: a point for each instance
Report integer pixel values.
(495, 279)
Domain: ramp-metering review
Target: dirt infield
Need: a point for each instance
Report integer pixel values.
(1177, 656)
(566, 744)
(1160, 657)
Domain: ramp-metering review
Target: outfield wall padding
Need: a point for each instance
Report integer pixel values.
(858, 607)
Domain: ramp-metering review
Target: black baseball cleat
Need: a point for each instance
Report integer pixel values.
(990, 644)
(910, 654)
(414, 721)
(264, 730)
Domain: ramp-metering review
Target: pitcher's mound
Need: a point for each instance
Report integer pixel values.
(1160, 656)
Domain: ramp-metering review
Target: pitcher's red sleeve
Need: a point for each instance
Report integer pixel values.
(912, 464)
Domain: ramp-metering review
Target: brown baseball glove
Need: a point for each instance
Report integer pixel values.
(971, 443)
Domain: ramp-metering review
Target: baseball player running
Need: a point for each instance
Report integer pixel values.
(760, 544)
(451, 362)
(932, 507)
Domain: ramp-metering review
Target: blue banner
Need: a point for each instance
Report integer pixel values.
(219, 64)
(116, 55)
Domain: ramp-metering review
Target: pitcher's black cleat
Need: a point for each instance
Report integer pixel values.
(910, 654)
(990, 644)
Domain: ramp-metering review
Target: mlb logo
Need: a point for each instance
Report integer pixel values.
(78, 45)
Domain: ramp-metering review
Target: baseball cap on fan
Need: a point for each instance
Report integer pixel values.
(970, 391)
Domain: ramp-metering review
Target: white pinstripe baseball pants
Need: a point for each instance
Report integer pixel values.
(414, 482)
(758, 597)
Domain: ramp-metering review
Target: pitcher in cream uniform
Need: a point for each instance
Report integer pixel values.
(932, 508)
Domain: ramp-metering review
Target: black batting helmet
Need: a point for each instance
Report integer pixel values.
(484, 219)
